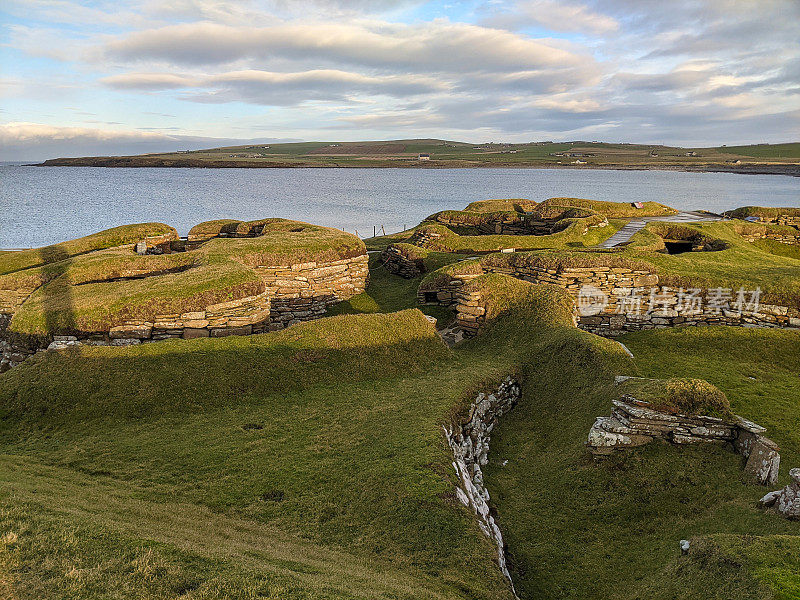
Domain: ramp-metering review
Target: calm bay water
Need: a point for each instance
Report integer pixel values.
(40, 206)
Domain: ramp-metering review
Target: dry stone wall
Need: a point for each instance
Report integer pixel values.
(784, 238)
(633, 301)
(302, 292)
(293, 293)
(469, 440)
(786, 501)
(243, 316)
(632, 423)
(397, 263)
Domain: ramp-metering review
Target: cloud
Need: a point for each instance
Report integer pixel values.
(38, 141)
(427, 47)
(282, 89)
(149, 81)
(554, 15)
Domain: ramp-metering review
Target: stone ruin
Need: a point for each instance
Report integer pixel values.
(397, 263)
(469, 440)
(633, 423)
(787, 500)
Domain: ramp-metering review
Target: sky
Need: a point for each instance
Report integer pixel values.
(84, 78)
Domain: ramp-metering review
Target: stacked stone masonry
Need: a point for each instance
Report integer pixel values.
(469, 440)
(397, 263)
(632, 423)
(304, 291)
(786, 501)
(523, 224)
(784, 238)
(620, 314)
(293, 293)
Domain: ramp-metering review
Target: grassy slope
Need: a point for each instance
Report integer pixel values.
(308, 462)
(612, 530)
(116, 236)
(765, 150)
(775, 270)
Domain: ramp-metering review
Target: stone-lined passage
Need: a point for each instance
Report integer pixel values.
(469, 440)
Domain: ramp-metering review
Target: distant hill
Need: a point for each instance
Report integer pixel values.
(433, 153)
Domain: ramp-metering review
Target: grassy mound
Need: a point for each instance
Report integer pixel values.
(763, 212)
(532, 305)
(680, 395)
(512, 205)
(679, 232)
(740, 264)
(611, 210)
(116, 236)
(443, 275)
(95, 291)
(412, 252)
(558, 261)
(574, 234)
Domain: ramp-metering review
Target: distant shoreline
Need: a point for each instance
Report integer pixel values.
(789, 170)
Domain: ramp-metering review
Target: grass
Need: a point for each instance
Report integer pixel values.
(388, 293)
(680, 395)
(612, 210)
(740, 264)
(510, 205)
(83, 293)
(587, 530)
(412, 252)
(791, 150)
(501, 295)
(11, 262)
(762, 211)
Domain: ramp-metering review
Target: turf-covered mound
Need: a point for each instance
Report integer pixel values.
(514, 217)
(684, 238)
(764, 213)
(532, 305)
(772, 268)
(440, 238)
(116, 236)
(93, 291)
(684, 396)
(511, 205)
(611, 210)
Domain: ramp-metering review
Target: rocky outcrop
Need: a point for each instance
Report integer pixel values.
(786, 501)
(469, 440)
(633, 423)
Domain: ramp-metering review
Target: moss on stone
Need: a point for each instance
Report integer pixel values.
(680, 395)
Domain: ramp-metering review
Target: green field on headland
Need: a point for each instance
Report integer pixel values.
(432, 153)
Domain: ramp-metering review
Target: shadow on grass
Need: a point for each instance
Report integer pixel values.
(57, 301)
